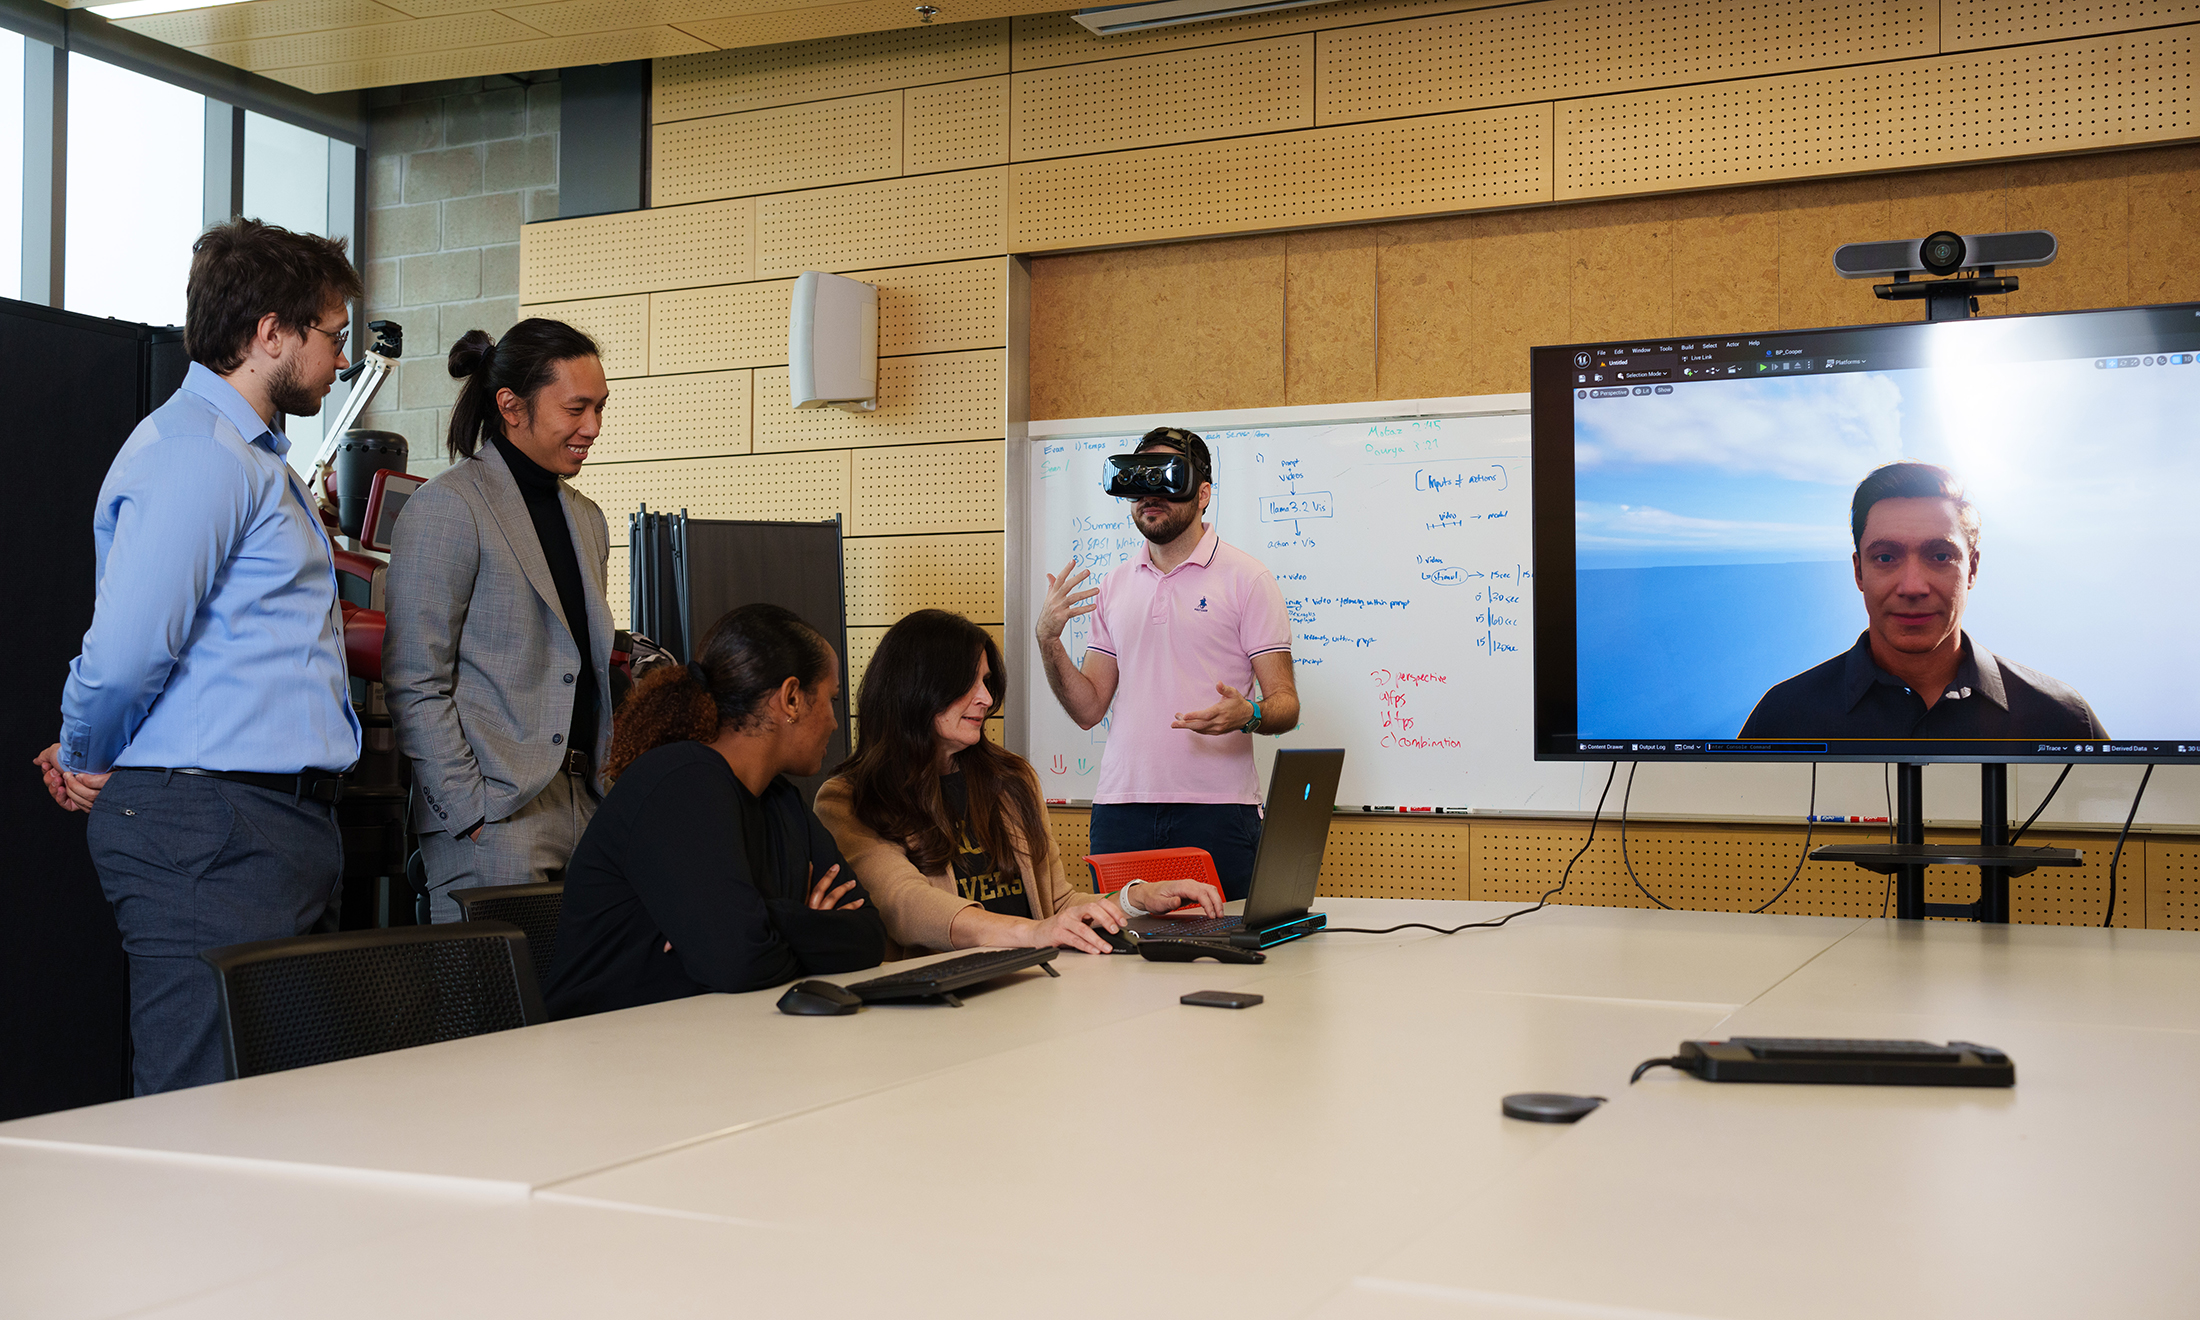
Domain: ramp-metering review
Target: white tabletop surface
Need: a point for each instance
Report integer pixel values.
(1335, 1150)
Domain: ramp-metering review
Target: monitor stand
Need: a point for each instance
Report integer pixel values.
(1908, 856)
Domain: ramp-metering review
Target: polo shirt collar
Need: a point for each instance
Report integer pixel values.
(1202, 556)
(1978, 674)
(223, 396)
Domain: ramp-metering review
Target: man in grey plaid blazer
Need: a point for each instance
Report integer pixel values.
(504, 709)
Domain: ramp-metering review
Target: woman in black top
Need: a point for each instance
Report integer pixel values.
(702, 869)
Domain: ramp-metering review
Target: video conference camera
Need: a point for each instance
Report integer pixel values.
(1154, 473)
(1943, 253)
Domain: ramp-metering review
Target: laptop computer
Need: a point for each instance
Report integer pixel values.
(1302, 793)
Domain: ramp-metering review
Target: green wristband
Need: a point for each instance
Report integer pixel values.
(1252, 725)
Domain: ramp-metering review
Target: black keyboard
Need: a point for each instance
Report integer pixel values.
(944, 977)
(1170, 928)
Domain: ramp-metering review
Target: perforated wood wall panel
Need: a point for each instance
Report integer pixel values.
(1970, 24)
(927, 488)
(2033, 100)
(734, 325)
(793, 487)
(956, 126)
(1569, 48)
(922, 400)
(379, 40)
(505, 57)
(636, 251)
(863, 641)
(1045, 40)
(1072, 831)
(757, 151)
(1179, 96)
(2173, 882)
(659, 417)
(1319, 176)
(935, 217)
(921, 309)
(1703, 867)
(729, 80)
(231, 23)
(2068, 896)
(620, 327)
(617, 590)
(889, 576)
(1374, 858)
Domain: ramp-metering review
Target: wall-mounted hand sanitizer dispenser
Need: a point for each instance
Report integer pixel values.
(832, 343)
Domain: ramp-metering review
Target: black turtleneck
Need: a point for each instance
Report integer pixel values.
(538, 486)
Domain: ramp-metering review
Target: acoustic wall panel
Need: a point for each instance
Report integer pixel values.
(935, 217)
(270, 18)
(889, 576)
(481, 61)
(749, 79)
(956, 126)
(1572, 48)
(618, 591)
(1047, 40)
(790, 487)
(1321, 176)
(921, 400)
(2030, 100)
(941, 309)
(659, 417)
(811, 145)
(1178, 96)
(1072, 831)
(620, 327)
(2172, 881)
(636, 251)
(1717, 868)
(906, 489)
(1971, 24)
(733, 325)
(376, 40)
(1377, 858)
(922, 309)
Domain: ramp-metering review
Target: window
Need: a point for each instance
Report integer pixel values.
(136, 185)
(285, 175)
(11, 165)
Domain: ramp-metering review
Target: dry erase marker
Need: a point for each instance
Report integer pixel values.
(1846, 820)
(1057, 802)
(1378, 808)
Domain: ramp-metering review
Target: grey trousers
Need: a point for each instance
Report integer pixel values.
(517, 850)
(192, 863)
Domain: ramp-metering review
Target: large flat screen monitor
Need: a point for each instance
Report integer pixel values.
(1930, 541)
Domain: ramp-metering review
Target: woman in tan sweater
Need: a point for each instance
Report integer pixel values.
(946, 829)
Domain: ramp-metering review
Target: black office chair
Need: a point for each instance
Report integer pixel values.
(532, 908)
(318, 998)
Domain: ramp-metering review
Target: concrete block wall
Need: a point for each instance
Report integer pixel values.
(453, 170)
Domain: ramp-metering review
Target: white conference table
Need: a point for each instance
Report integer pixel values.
(1088, 1145)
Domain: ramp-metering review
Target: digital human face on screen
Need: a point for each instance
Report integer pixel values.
(1721, 592)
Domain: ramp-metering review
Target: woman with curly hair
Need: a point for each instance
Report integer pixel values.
(702, 869)
(949, 829)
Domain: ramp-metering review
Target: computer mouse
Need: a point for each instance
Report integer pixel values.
(1119, 941)
(819, 999)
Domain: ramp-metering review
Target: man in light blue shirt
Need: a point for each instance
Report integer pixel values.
(207, 722)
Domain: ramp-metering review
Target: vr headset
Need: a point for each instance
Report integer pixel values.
(1157, 472)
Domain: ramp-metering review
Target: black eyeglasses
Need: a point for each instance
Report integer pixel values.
(341, 337)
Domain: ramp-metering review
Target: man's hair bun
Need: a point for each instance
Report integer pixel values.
(471, 353)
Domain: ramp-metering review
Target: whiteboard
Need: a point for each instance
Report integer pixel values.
(1399, 533)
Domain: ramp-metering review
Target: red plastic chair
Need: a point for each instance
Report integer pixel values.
(1112, 871)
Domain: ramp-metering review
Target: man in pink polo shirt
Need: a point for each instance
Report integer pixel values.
(1180, 636)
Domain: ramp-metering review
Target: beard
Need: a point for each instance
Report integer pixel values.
(289, 395)
(1168, 529)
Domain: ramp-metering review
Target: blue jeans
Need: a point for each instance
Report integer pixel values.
(192, 863)
(1229, 831)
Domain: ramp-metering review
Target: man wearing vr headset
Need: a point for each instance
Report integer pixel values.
(1180, 636)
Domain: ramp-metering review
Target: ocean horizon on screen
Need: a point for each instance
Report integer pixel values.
(1747, 627)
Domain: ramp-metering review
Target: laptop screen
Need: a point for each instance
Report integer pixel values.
(1302, 792)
